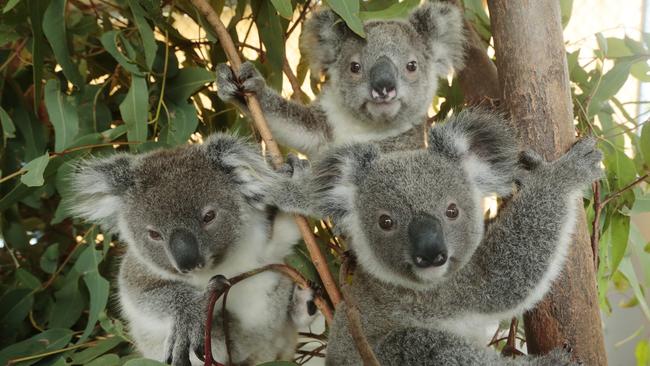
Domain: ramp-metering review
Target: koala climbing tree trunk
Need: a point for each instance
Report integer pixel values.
(534, 82)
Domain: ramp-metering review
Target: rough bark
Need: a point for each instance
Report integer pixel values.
(534, 83)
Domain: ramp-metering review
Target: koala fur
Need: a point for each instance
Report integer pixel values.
(432, 275)
(383, 100)
(185, 216)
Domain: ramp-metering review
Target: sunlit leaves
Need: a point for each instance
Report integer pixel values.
(135, 111)
(62, 114)
(34, 171)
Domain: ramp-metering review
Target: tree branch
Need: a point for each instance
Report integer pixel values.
(262, 127)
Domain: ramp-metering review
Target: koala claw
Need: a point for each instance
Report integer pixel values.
(217, 283)
(583, 160)
(231, 86)
(294, 167)
(250, 79)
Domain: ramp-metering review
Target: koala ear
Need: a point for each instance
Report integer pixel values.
(441, 26)
(484, 144)
(336, 176)
(321, 39)
(245, 165)
(99, 185)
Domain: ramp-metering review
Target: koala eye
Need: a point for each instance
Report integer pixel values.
(154, 235)
(412, 66)
(385, 222)
(355, 67)
(208, 217)
(452, 211)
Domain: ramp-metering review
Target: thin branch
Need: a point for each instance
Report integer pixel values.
(262, 127)
(223, 285)
(624, 189)
(301, 17)
(298, 94)
(595, 225)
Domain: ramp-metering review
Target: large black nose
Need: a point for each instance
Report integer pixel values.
(185, 250)
(428, 247)
(383, 79)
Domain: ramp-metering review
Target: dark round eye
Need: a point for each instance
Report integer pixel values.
(452, 211)
(385, 222)
(154, 235)
(209, 216)
(412, 66)
(355, 67)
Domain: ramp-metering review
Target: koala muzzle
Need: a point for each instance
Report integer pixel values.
(428, 247)
(383, 80)
(185, 250)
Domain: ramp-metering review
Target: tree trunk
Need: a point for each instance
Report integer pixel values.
(534, 82)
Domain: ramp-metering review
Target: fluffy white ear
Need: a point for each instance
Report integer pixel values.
(336, 176)
(441, 25)
(321, 39)
(485, 146)
(99, 185)
(245, 164)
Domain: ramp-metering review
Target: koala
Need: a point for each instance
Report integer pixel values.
(378, 88)
(185, 216)
(429, 273)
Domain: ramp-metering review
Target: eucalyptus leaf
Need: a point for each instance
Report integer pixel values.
(187, 82)
(146, 33)
(35, 170)
(63, 116)
(10, 5)
(283, 7)
(54, 30)
(348, 10)
(8, 127)
(135, 111)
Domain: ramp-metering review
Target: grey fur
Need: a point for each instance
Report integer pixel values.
(489, 275)
(170, 191)
(345, 111)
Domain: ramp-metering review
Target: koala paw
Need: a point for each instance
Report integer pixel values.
(294, 167)
(188, 327)
(233, 87)
(582, 163)
(187, 334)
(303, 308)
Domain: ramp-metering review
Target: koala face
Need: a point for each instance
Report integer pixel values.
(420, 214)
(179, 210)
(415, 217)
(392, 74)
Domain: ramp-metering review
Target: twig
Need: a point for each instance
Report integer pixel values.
(262, 127)
(226, 332)
(226, 284)
(510, 349)
(624, 189)
(595, 225)
(352, 314)
(298, 94)
(303, 13)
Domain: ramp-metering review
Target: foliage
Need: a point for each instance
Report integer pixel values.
(95, 76)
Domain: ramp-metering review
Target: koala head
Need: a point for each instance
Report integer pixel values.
(415, 217)
(394, 71)
(179, 210)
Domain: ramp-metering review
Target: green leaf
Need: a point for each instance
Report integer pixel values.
(641, 71)
(105, 360)
(26, 279)
(35, 170)
(110, 42)
(36, 10)
(14, 307)
(349, 11)
(187, 82)
(273, 39)
(644, 142)
(146, 33)
(610, 84)
(397, 10)
(619, 231)
(10, 5)
(602, 45)
(627, 269)
(54, 30)
(566, 7)
(8, 127)
(50, 258)
(49, 340)
(135, 111)
(89, 354)
(69, 303)
(642, 353)
(616, 48)
(179, 124)
(284, 8)
(63, 116)
(87, 264)
(143, 362)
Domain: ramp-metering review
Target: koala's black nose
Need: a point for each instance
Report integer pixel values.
(185, 250)
(428, 247)
(383, 80)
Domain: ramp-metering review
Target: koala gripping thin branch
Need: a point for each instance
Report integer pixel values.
(262, 127)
